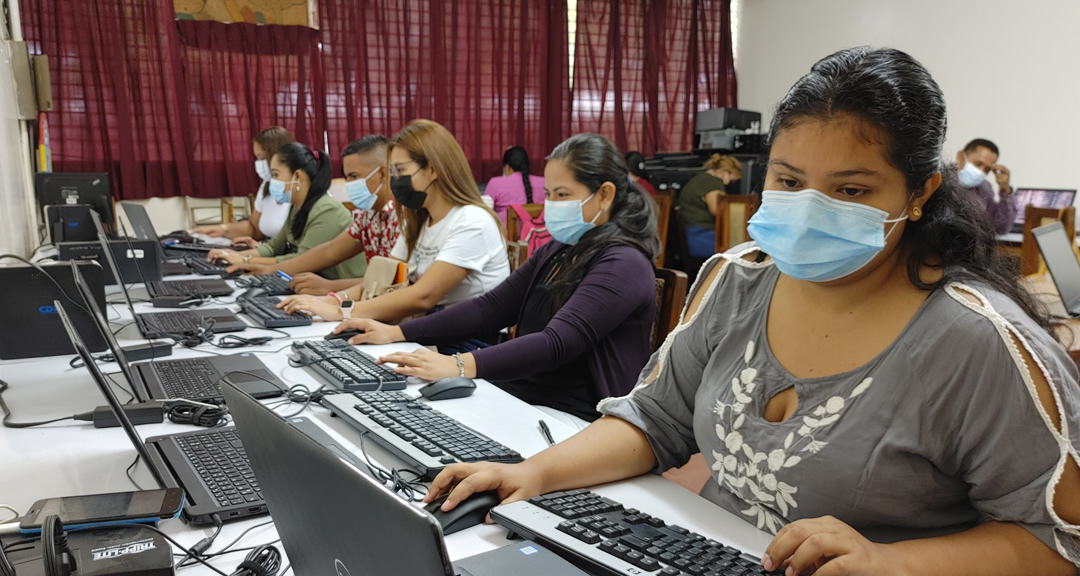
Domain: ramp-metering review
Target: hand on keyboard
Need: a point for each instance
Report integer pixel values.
(513, 482)
(806, 545)
(311, 283)
(424, 363)
(326, 308)
(377, 333)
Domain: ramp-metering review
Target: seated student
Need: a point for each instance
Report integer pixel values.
(699, 202)
(882, 394)
(267, 215)
(300, 177)
(516, 185)
(973, 163)
(374, 227)
(584, 304)
(635, 163)
(450, 240)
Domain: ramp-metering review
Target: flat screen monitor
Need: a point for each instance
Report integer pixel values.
(92, 188)
(1040, 198)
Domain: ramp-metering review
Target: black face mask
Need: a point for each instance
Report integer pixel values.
(405, 194)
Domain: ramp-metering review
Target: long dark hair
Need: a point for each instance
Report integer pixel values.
(317, 166)
(593, 160)
(518, 160)
(635, 163)
(893, 92)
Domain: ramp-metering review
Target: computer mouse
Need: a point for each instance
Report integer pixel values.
(448, 388)
(466, 514)
(345, 334)
(220, 262)
(231, 275)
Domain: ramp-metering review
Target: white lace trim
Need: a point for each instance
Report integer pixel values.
(735, 255)
(1008, 333)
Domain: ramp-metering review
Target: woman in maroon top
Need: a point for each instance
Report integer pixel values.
(584, 304)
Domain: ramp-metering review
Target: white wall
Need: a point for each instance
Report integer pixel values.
(1010, 69)
(15, 211)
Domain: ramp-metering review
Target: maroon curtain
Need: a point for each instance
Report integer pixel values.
(119, 100)
(643, 68)
(494, 72)
(240, 79)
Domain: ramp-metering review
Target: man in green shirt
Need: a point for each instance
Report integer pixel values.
(699, 202)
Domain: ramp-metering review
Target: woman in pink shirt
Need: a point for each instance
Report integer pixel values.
(515, 186)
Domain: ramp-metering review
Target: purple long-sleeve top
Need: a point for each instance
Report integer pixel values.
(609, 318)
(1002, 212)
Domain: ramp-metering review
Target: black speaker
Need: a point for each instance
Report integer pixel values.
(29, 324)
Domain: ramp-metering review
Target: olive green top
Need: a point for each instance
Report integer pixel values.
(692, 200)
(327, 218)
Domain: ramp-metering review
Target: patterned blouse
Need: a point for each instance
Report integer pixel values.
(378, 231)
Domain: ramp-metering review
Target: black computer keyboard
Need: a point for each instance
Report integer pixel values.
(201, 266)
(426, 439)
(271, 284)
(175, 288)
(178, 322)
(264, 310)
(222, 463)
(615, 540)
(346, 367)
(193, 379)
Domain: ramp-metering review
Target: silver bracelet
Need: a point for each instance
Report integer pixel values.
(460, 364)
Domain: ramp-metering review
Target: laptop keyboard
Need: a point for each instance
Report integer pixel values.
(616, 540)
(175, 288)
(221, 462)
(192, 379)
(171, 322)
(201, 266)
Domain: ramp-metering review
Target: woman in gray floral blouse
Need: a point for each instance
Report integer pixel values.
(867, 380)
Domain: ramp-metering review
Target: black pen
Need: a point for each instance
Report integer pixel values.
(547, 433)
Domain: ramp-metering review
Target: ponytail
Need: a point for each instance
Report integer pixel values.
(518, 161)
(317, 166)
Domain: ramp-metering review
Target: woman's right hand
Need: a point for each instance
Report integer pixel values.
(246, 241)
(512, 482)
(374, 332)
(214, 231)
(326, 308)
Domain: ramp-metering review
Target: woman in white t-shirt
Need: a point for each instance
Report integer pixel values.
(267, 215)
(452, 242)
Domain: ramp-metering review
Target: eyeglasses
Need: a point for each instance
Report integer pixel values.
(396, 169)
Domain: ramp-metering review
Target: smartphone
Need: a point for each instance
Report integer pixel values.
(144, 506)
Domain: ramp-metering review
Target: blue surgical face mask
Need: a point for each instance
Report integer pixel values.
(970, 176)
(278, 192)
(565, 220)
(811, 236)
(359, 194)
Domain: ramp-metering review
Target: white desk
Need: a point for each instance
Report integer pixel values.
(69, 458)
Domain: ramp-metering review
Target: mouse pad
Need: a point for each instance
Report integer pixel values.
(522, 558)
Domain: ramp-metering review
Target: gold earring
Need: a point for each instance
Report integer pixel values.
(916, 212)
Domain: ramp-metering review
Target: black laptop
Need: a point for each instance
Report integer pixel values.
(210, 465)
(1057, 251)
(335, 519)
(189, 378)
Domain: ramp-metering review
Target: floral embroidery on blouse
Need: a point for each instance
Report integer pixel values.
(755, 477)
(378, 231)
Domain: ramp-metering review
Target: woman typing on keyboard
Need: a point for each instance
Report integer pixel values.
(868, 381)
(583, 304)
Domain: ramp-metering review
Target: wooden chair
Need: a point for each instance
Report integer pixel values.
(663, 217)
(732, 218)
(671, 289)
(517, 250)
(1030, 257)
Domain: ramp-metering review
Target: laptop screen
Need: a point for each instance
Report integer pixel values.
(1040, 198)
(1057, 250)
(110, 396)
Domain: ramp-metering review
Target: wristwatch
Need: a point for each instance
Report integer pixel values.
(346, 309)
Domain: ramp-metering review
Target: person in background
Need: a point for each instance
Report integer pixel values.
(699, 202)
(267, 215)
(516, 185)
(635, 163)
(374, 229)
(451, 241)
(880, 393)
(583, 304)
(973, 163)
(300, 177)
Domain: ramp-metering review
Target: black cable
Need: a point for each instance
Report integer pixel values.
(128, 472)
(262, 561)
(412, 490)
(54, 548)
(181, 413)
(199, 549)
(225, 550)
(7, 423)
(182, 549)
